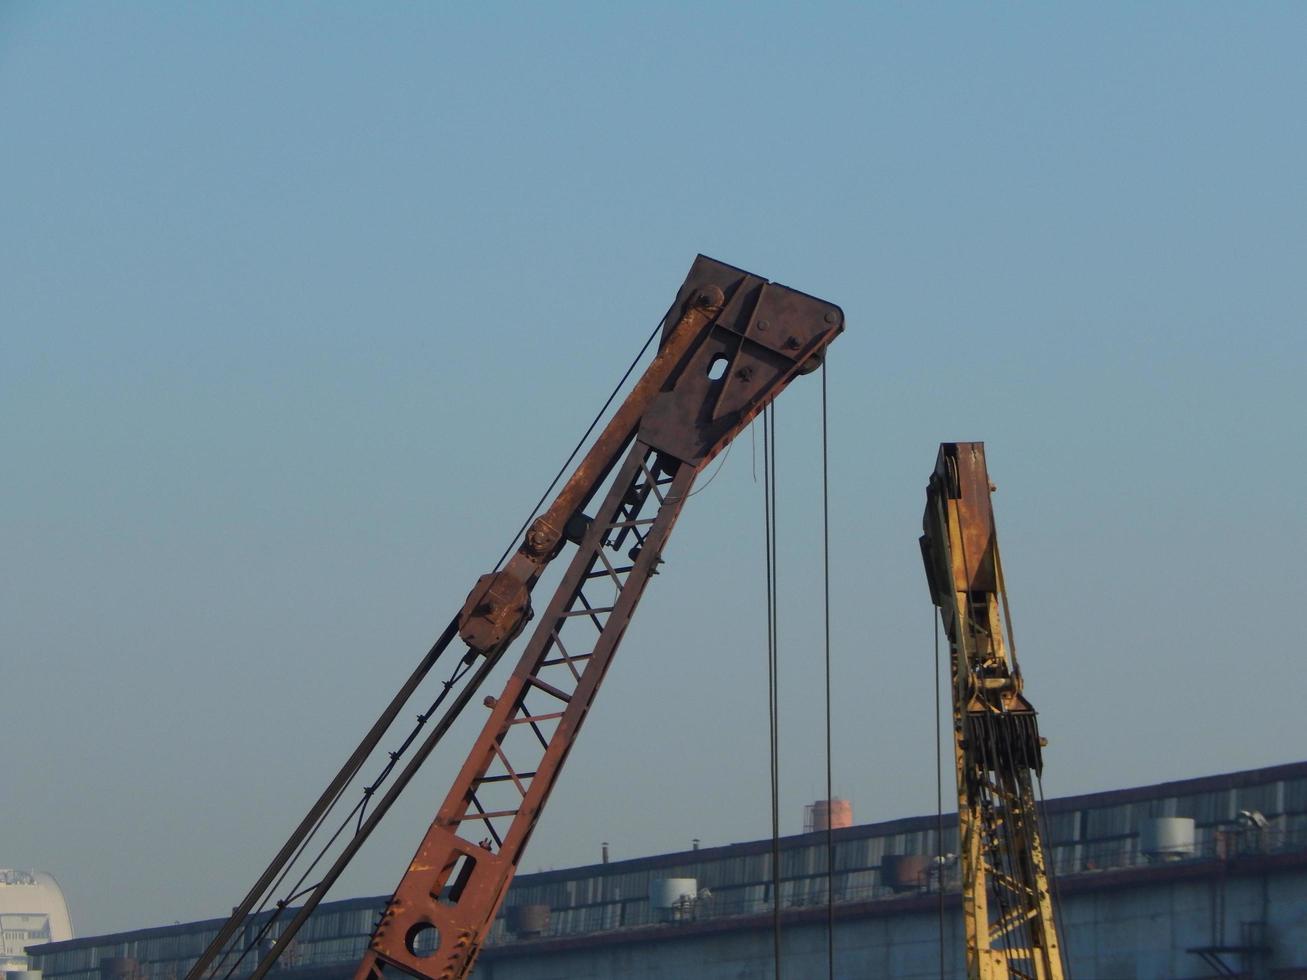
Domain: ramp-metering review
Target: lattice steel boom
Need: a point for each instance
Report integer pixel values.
(1007, 907)
(730, 344)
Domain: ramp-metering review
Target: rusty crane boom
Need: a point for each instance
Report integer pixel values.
(730, 344)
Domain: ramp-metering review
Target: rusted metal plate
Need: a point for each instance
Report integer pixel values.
(764, 336)
(961, 482)
(424, 930)
(731, 342)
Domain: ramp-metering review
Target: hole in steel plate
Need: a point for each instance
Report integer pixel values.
(459, 873)
(422, 940)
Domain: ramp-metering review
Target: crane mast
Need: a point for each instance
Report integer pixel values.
(1007, 906)
(731, 342)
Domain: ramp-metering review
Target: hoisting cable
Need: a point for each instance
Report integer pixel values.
(1041, 813)
(298, 890)
(981, 798)
(959, 661)
(773, 718)
(584, 436)
(295, 847)
(317, 814)
(825, 584)
(1051, 869)
(987, 755)
(1038, 817)
(935, 615)
(356, 841)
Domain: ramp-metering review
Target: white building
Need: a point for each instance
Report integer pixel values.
(32, 910)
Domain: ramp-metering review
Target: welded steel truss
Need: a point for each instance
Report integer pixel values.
(508, 778)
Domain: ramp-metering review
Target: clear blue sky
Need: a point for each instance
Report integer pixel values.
(302, 304)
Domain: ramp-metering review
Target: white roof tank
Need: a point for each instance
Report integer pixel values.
(667, 893)
(1167, 838)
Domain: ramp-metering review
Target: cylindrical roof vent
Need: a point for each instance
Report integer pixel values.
(827, 815)
(667, 893)
(529, 920)
(905, 872)
(1167, 838)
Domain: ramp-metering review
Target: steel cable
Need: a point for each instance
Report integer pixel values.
(1011, 775)
(1050, 868)
(986, 752)
(939, 794)
(773, 715)
(317, 817)
(825, 584)
(297, 890)
(1035, 807)
(314, 819)
(584, 436)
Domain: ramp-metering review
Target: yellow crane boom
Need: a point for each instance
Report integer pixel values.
(1006, 903)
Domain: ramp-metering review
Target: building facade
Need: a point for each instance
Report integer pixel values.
(1178, 881)
(32, 911)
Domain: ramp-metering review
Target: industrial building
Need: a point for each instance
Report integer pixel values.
(1192, 879)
